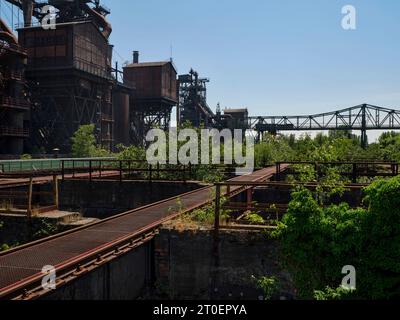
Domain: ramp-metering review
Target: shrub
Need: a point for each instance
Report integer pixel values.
(318, 241)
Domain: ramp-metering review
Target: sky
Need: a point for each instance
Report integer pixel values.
(283, 57)
(274, 57)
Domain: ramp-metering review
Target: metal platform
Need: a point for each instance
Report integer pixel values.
(20, 269)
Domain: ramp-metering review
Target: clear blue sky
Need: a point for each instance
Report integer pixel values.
(273, 57)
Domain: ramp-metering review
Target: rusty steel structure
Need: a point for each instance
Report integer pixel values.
(154, 97)
(363, 117)
(193, 107)
(14, 100)
(72, 82)
(350, 169)
(69, 69)
(87, 248)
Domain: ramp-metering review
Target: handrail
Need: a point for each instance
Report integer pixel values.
(8, 101)
(4, 130)
(355, 171)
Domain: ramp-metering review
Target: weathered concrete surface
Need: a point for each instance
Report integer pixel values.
(16, 230)
(184, 265)
(101, 199)
(125, 278)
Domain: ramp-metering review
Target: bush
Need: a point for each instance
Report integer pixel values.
(269, 286)
(318, 241)
(26, 157)
(333, 294)
(255, 219)
(84, 143)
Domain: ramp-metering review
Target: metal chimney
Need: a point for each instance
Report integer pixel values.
(135, 56)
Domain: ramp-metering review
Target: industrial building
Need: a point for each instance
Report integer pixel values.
(53, 80)
(70, 72)
(14, 101)
(154, 96)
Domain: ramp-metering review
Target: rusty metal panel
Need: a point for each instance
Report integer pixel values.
(152, 81)
(121, 117)
(78, 45)
(169, 83)
(46, 48)
(91, 50)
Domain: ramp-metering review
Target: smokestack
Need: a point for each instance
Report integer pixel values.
(27, 7)
(135, 56)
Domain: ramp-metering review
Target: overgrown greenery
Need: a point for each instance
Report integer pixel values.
(26, 157)
(268, 285)
(84, 143)
(336, 146)
(317, 242)
(43, 228)
(4, 246)
(254, 218)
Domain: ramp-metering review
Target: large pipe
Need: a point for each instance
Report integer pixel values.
(101, 20)
(6, 33)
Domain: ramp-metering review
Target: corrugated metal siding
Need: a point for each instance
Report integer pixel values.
(152, 81)
(72, 45)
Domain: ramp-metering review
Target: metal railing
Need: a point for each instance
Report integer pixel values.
(31, 166)
(14, 132)
(14, 75)
(101, 169)
(21, 202)
(14, 103)
(355, 169)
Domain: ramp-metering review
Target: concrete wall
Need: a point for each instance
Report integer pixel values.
(125, 278)
(101, 199)
(16, 230)
(184, 265)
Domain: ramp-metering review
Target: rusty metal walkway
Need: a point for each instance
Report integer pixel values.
(20, 182)
(78, 251)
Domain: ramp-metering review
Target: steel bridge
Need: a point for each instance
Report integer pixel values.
(362, 117)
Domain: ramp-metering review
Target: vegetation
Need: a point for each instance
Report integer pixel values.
(317, 242)
(254, 218)
(26, 157)
(3, 247)
(328, 293)
(206, 215)
(269, 286)
(42, 228)
(336, 146)
(84, 143)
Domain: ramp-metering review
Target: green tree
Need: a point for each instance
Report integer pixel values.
(84, 143)
(318, 241)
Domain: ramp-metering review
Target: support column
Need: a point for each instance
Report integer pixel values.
(364, 137)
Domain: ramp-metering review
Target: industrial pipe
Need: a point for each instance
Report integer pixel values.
(6, 33)
(27, 8)
(101, 20)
